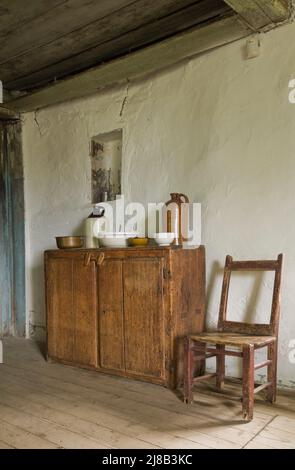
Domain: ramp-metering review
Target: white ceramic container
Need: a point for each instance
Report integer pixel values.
(115, 240)
(164, 238)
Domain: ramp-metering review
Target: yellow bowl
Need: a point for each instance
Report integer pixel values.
(138, 241)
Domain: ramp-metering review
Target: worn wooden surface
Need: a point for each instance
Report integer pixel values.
(104, 30)
(248, 382)
(7, 114)
(146, 301)
(233, 339)
(136, 64)
(245, 336)
(111, 318)
(50, 405)
(145, 317)
(188, 301)
(117, 39)
(260, 14)
(71, 306)
(12, 249)
(270, 329)
(57, 40)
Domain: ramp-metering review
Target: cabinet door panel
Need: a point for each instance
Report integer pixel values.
(85, 313)
(111, 337)
(60, 321)
(144, 317)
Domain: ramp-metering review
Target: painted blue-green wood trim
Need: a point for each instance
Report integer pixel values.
(5, 248)
(12, 234)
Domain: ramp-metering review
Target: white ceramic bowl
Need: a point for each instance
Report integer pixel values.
(164, 238)
(115, 239)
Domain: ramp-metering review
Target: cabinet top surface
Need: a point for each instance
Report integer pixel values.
(126, 249)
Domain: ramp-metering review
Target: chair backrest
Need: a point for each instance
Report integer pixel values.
(270, 329)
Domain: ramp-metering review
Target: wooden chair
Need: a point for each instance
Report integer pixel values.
(244, 336)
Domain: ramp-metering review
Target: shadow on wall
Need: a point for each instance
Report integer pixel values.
(247, 295)
(249, 301)
(37, 315)
(216, 273)
(37, 308)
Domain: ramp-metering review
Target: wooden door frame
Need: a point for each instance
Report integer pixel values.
(12, 231)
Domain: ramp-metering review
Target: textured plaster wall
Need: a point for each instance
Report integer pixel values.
(218, 128)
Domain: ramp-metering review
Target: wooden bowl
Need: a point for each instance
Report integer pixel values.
(138, 241)
(66, 243)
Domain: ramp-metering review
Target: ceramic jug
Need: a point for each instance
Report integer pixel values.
(175, 218)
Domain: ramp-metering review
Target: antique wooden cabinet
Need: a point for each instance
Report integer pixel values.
(124, 311)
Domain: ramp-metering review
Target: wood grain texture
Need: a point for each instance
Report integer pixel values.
(53, 45)
(7, 114)
(84, 313)
(233, 339)
(188, 284)
(71, 310)
(248, 382)
(261, 13)
(272, 356)
(106, 40)
(13, 15)
(144, 302)
(144, 317)
(276, 10)
(76, 406)
(136, 64)
(60, 319)
(224, 292)
(245, 336)
(5, 236)
(220, 366)
(59, 19)
(17, 220)
(12, 236)
(111, 319)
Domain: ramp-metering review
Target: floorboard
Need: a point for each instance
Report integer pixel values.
(49, 405)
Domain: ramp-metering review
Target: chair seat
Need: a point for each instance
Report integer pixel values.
(233, 339)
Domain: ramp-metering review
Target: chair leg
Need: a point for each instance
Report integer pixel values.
(272, 372)
(188, 371)
(220, 367)
(248, 382)
(200, 364)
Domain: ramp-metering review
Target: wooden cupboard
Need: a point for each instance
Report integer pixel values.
(124, 311)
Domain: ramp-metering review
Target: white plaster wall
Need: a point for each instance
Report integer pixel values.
(218, 128)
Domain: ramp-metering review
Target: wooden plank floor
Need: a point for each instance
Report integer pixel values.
(54, 406)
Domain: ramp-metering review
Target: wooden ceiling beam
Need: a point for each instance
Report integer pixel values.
(7, 114)
(261, 14)
(277, 10)
(39, 67)
(136, 64)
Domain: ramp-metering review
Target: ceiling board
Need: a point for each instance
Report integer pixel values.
(54, 24)
(137, 64)
(77, 34)
(262, 14)
(124, 43)
(16, 13)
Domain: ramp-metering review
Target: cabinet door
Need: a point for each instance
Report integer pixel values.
(111, 336)
(71, 310)
(59, 293)
(144, 317)
(85, 313)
